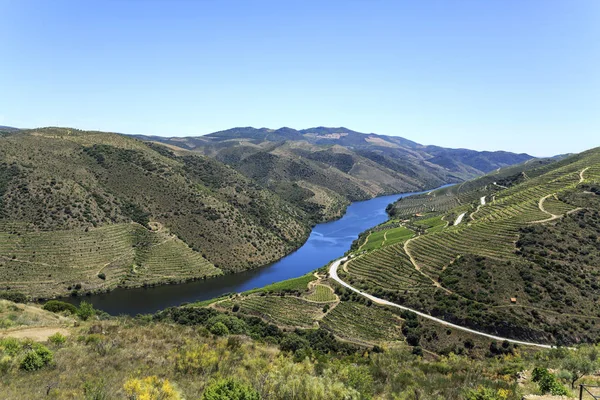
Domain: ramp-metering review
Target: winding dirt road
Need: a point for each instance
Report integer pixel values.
(333, 274)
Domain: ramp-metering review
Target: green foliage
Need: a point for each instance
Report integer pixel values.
(85, 310)
(95, 389)
(548, 383)
(579, 363)
(57, 339)
(15, 297)
(57, 306)
(294, 285)
(219, 329)
(293, 343)
(36, 358)
(483, 393)
(229, 389)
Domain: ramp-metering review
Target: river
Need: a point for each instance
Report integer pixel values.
(326, 242)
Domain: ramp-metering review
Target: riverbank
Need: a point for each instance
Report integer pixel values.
(326, 242)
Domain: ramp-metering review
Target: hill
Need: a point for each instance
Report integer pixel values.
(322, 169)
(88, 211)
(513, 253)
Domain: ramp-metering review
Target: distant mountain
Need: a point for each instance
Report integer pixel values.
(7, 129)
(320, 166)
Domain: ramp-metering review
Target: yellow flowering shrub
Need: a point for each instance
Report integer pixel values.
(151, 388)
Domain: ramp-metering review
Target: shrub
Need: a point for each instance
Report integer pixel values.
(56, 306)
(95, 390)
(293, 342)
(15, 297)
(197, 359)
(233, 323)
(151, 387)
(85, 311)
(57, 339)
(229, 389)
(483, 393)
(548, 383)
(38, 357)
(219, 329)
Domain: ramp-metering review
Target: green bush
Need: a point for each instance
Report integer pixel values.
(14, 297)
(56, 306)
(38, 357)
(229, 389)
(57, 339)
(85, 311)
(548, 383)
(482, 393)
(219, 329)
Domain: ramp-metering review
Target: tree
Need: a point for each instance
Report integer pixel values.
(85, 311)
(229, 389)
(578, 363)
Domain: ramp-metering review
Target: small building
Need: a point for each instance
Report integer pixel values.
(513, 300)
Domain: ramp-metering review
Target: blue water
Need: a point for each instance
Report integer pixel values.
(326, 242)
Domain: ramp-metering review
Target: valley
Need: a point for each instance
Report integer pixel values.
(496, 266)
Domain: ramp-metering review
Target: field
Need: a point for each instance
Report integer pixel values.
(322, 294)
(283, 311)
(432, 224)
(354, 321)
(386, 237)
(47, 263)
(388, 268)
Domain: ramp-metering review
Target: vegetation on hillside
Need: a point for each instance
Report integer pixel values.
(521, 263)
(89, 211)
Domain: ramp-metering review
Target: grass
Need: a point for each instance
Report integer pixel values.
(99, 357)
(299, 284)
(385, 237)
(432, 224)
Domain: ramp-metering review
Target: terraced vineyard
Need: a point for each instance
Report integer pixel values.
(388, 268)
(385, 237)
(536, 194)
(38, 263)
(283, 311)
(354, 321)
(322, 294)
(432, 224)
(557, 207)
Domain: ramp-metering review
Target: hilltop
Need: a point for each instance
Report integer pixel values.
(321, 167)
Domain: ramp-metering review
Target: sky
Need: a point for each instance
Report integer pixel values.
(513, 75)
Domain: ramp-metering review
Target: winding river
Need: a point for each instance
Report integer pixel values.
(326, 242)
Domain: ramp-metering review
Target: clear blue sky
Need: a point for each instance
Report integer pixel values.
(494, 74)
